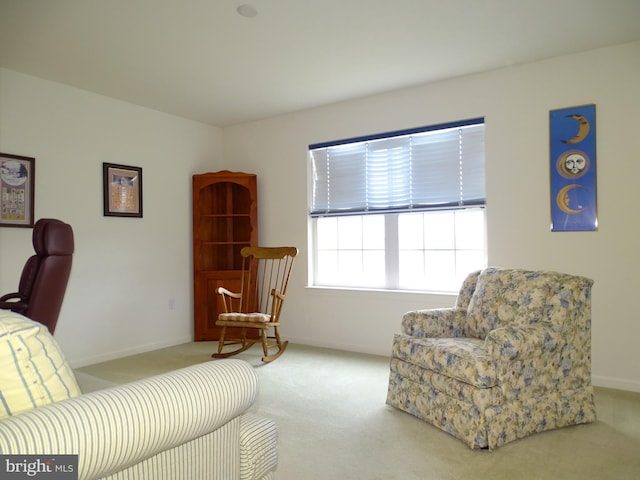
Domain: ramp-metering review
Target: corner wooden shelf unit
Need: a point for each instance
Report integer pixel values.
(225, 219)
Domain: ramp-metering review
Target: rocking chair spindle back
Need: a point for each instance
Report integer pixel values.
(265, 278)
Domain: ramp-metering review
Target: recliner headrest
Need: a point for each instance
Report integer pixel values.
(52, 237)
(58, 239)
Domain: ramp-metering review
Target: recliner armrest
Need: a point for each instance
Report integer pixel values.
(9, 296)
(13, 302)
(435, 323)
(512, 343)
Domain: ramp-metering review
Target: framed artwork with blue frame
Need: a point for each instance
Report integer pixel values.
(572, 141)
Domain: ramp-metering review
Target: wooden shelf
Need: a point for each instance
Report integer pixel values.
(225, 219)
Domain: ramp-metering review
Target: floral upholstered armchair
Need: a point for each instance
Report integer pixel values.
(511, 358)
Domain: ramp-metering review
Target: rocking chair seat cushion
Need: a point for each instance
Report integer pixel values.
(245, 317)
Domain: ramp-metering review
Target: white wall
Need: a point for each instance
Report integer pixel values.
(125, 270)
(515, 102)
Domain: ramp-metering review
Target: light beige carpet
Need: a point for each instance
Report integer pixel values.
(333, 424)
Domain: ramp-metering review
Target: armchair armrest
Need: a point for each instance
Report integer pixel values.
(118, 427)
(511, 342)
(434, 323)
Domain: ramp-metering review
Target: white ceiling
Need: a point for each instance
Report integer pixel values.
(199, 59)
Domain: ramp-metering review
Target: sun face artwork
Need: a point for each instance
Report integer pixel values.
(573, 168)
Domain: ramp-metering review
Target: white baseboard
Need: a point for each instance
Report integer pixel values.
(616, 383)
(105, 357)
(597, 380)
(347, 347)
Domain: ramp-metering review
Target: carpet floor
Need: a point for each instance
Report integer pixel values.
(333, 423)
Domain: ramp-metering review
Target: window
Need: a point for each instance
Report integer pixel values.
(399, 211)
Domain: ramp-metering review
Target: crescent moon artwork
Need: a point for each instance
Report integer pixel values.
(563, 200)
(572, 162)
(583, 129)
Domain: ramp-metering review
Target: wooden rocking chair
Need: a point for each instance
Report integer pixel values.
(265, 276)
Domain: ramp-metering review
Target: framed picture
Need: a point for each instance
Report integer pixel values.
(122, 190)
(17, 188)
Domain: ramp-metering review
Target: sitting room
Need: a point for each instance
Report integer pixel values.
(170, 90)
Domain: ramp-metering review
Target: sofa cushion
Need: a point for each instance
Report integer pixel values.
(33, 369)
(505, 297)
(465, 359)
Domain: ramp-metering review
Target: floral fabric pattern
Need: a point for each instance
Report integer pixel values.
(512, 358)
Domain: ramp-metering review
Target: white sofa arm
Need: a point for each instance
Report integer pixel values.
(118, 427)
(258, 447)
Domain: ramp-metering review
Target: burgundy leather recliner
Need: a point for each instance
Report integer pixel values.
(45, 275)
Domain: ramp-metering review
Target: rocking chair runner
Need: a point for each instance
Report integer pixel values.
(265, 276)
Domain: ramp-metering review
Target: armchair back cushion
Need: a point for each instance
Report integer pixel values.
(506, 298)
(521, 298)
(466, 290)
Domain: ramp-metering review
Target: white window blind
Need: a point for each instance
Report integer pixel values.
(423, 169)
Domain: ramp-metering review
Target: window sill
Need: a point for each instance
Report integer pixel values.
(361, 290)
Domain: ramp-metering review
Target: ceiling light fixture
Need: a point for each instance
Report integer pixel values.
(246, 10)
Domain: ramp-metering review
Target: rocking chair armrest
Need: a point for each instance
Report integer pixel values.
(276, 305)
(277, 294)
(224, 291)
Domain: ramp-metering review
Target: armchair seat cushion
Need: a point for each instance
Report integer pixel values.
(465, 359)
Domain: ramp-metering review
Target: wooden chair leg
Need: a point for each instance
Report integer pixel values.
(221, 339)
(265, 340)
(276, 335)
(244, 344)
(281, 346)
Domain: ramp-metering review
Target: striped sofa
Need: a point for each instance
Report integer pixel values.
(189, 424)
